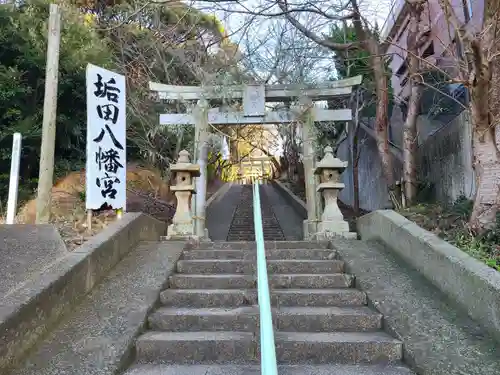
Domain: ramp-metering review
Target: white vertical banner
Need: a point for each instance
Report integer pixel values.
(14, 179)
(106, 172)
(225, 149)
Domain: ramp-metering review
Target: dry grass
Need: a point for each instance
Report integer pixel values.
(68, 213)
(451, 225)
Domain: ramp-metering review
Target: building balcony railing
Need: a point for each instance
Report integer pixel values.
(395, 11)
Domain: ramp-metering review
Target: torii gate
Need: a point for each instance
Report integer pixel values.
(254, 98)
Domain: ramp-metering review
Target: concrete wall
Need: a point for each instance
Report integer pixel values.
(444, 161)
(372, 186)
(475, 286)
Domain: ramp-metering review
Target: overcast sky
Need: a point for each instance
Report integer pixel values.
(233, 17)
(245, 29)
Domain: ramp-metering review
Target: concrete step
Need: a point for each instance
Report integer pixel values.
(213, 266)
(311, 281)
(276, 281)
(208, 298)
(242, 245)
(240, 297)
(298, 319)
(271, 254)
(306, 254)
(291, 347)
(318, 297)
(330, 369)
(195, 347)
(220, 281)
(243, 319)
(213, 254)
(337, 347)
(327, 319)
(305, 266)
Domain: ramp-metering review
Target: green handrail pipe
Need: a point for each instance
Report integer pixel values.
(267, 347)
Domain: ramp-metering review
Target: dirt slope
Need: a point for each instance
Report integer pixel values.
(146, 192)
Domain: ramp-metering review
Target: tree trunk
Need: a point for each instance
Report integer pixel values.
(410, 127)
(372, 46)
(487, 168)
(481, 59)
(410, 146)
(484, 146)
(355, 172)
(382, 118)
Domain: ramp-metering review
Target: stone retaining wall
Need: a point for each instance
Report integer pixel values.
(475, 286)
(32, 309)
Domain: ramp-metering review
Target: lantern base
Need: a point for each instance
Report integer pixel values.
(177, 237)
(335, 226)
(322, 236)
(310, 228)
(180, 230)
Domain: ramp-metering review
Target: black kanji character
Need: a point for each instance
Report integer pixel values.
(108, 112)
(110, 159)
(101, 136)
(106, 90)
(108, 182)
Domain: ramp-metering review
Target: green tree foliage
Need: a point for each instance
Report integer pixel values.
(355, 61)
(23, 37)
(167, 44)
(160, 43)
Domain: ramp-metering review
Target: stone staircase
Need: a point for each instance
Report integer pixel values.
(208, 322)
(242, 226)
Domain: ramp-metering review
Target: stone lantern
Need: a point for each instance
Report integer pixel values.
(332, 221)
(182, 223)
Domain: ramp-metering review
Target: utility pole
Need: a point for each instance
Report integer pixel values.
(46, 174)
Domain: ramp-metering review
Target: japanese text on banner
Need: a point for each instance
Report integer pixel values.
(106, 174)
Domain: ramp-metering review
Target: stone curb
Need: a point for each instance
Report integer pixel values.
(475, 286)
(297, 203)
(33, 309)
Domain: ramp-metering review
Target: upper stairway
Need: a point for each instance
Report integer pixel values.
(242, 225)
(208, 321)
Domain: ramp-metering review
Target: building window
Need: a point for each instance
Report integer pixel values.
(459, 48)
(404, 26)
(467, 5)
(402, 69)
(429, 51)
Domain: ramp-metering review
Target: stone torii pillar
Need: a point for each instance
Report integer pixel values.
(311, 223)
(202, 133)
